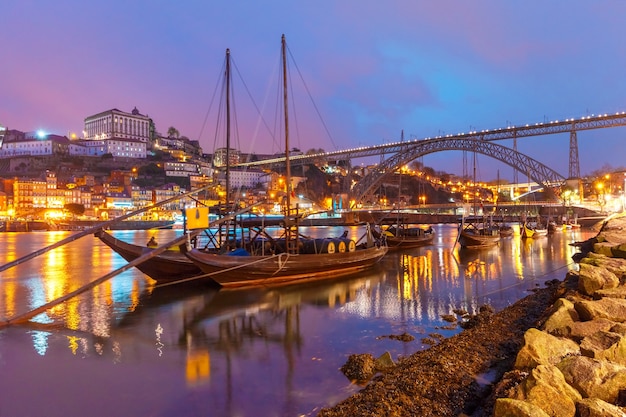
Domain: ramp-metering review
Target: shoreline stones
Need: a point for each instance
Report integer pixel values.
(361, 367)
(574, 365)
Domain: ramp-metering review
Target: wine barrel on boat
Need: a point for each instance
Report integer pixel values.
(319, 246)
(344, 244)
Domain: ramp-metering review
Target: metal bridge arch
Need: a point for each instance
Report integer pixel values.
(538, 172)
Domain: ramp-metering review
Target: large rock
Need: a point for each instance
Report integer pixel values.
(507, 407)
(546, 388)
(359, 367)
(384, 362)
(619, 251)
(618, 292)
(593, 278)
(608, 308)
(615, 353)
(615, 265)
(581, 329)
(603, 248)
(597, 343)
(593, 407)
(562, 316)
(594, 378)
(541, 348)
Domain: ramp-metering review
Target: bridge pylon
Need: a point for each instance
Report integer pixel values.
(574, 166)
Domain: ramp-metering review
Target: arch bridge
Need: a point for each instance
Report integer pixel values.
(482, 142)
(538, 172)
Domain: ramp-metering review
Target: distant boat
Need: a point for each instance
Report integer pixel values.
(533, 230)
(408, 236)
(401, 234)
(506, 230)
(477, 233)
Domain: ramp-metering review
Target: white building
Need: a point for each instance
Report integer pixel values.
(33, 144)
(116, 124)
(123, 148)
(247, 178)
(181, 169)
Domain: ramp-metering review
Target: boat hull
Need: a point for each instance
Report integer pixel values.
(471, 240)
(398, 242)
(241, 271)
(530, 233)
(170, 266)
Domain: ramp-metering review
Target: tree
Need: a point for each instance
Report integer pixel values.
(172, 132)
(151, 170)
(75, 209)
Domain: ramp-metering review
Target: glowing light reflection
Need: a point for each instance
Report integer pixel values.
(40, 341)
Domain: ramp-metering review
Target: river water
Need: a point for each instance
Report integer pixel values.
(128, 348)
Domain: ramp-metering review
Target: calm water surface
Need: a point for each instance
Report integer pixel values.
(128, 348)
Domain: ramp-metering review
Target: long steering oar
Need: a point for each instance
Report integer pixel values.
(21, 318)
(154, 252)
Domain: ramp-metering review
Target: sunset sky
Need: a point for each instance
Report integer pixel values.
(370, 70)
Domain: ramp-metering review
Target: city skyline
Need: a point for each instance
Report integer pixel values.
(373, 70)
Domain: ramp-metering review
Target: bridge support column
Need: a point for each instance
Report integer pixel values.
(574, 166)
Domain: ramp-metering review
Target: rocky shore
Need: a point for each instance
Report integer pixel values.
(560, 351)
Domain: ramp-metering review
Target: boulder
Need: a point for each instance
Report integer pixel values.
(609, 308)
(594, 378)
(618, 292)
(562, 316)
(359, 367)
(597, 343)
(581, 329)
(615, 265)
(619, 328)
(615, 353)
(507, 407)
(546, 388)
(619, 251)
(593, 278)
(541, 348)
(384, 362)
(603, 248)
(593, 407)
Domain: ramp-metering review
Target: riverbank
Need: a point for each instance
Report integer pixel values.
(468, 374)
(77, 225)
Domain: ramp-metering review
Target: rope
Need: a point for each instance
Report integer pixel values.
(525, 282)
(221, 271)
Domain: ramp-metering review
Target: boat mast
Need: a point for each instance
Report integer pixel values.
(227, 208)
(287, 164)
(227, 127)
(291, 224)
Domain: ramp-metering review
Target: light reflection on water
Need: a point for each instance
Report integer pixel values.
(188, 351)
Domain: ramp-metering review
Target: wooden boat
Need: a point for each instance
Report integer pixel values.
(475, 233)
(406, 236)
(290, 257)
(170, 266)
(239, 269)
(401, 234)
(506, 230)
(533, 231)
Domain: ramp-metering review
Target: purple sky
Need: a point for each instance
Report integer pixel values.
(372, 69)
